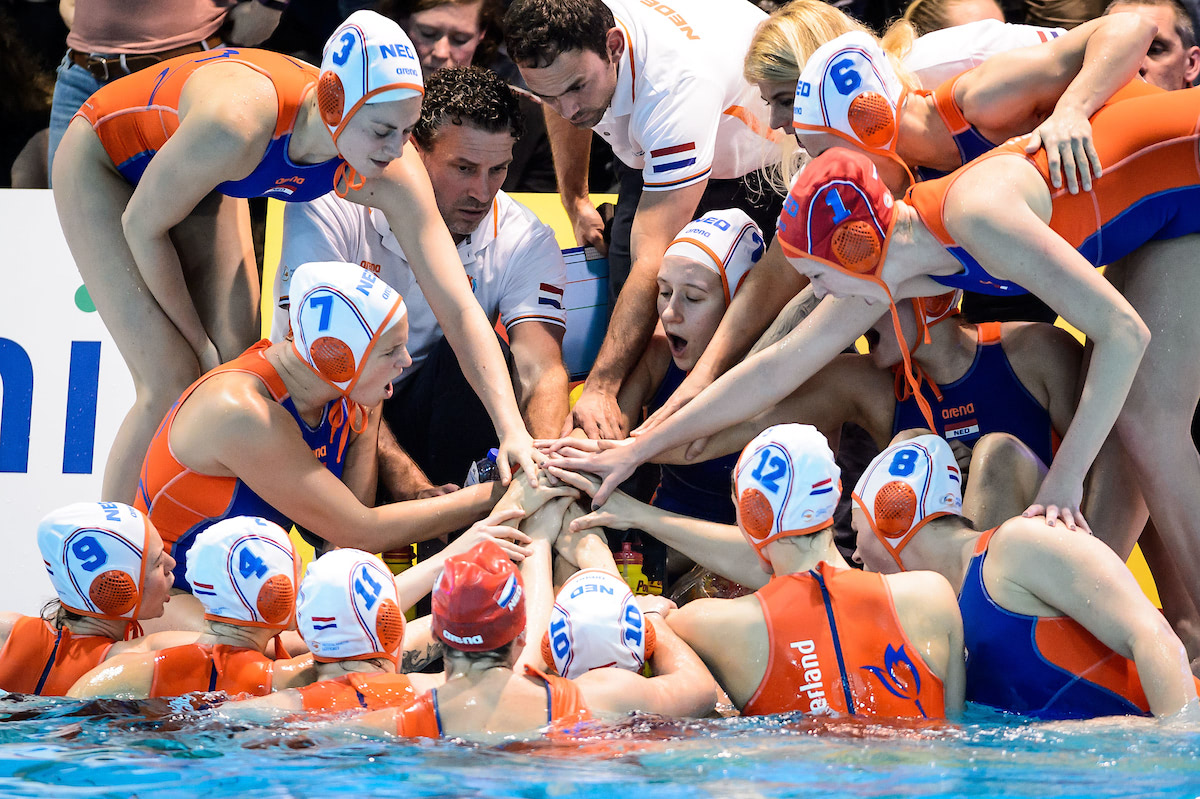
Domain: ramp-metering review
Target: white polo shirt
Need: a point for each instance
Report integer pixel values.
(939, 56)
(682, 111)
(512, 261)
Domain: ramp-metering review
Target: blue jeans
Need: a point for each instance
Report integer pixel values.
(72, 89)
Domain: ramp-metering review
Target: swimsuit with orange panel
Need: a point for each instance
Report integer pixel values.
(836, 643)
(988, 398)
(970, 142)
(182, 503)
(206, 667)
(1149, 190)
(358, 691)
(134, 117)
(37, 659)
(1045, 667)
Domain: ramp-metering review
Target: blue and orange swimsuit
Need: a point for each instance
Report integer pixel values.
(182, 503)
(1044, 667)
(134, 117)
(989, 398)
(1150, 188)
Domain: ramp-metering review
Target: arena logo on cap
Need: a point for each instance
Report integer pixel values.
(474, 640)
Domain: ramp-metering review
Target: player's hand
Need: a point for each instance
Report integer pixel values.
(495, 528)
(1059, 502)
(208, 357)
(650, 603)
(435, 491)
(530, 495)
(517, 450)
(962, 454)
(1070, 151)
(597, 414)
(588, 226)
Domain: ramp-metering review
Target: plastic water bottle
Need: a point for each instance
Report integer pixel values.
(629, 564)
(484, 470)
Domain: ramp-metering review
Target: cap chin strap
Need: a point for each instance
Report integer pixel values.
(759, 546)
(910, 376)
(894, 550)
(352, 177)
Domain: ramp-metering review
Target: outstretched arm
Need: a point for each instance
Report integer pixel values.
(755, 384)
(405, 196)
(1073, 75)
(1008, 235)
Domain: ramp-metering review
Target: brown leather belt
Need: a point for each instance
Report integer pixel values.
(110, 66)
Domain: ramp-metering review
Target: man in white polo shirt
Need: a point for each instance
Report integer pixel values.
(469, 122)
(662, 83)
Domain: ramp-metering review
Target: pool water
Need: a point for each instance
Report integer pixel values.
(55, 747)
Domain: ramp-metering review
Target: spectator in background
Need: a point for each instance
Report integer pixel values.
(111, 39)
(934, 15)
(1173, 61)
(459, 33)
(25, 108)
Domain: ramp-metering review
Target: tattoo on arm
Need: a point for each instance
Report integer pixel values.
(418, 659)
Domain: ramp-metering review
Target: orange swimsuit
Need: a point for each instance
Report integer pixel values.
(204, 667)
(835, 643)
(357, 691)
(37, 659)
(1149, 190)
(182, 503)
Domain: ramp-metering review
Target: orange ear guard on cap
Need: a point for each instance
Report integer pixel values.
(114, 592)
(331, 98)
(276, 599)
(871, 118)
(389, 625)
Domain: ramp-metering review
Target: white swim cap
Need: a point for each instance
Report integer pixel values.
(348, 608)
(596, 623)
(337, 312)
(244, 570)
(785, 483)
(95, 554)
(906, 486)
(727, 242)
(368, 59)
(848, 88)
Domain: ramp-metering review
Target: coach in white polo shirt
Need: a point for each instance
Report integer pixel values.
(469, 122)
(662, 83)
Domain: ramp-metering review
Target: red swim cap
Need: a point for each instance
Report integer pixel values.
(478, 600)
(839, 212)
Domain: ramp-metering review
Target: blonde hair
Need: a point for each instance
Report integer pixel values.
(787, 38)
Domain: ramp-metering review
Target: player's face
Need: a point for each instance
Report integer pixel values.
(446, 36)
(691, 302)
(890, 170)
(868, 549)
(779, 96)
(829, 281)
(387, 359)
(159, 578)
(578, 84)
(467, 166)
(376, 134)
(1168, 64)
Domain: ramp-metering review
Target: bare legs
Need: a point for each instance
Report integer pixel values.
(91, 197)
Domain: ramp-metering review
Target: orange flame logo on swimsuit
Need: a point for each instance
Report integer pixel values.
(905, 487)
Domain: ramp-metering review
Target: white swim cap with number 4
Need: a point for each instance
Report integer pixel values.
(244, 570)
